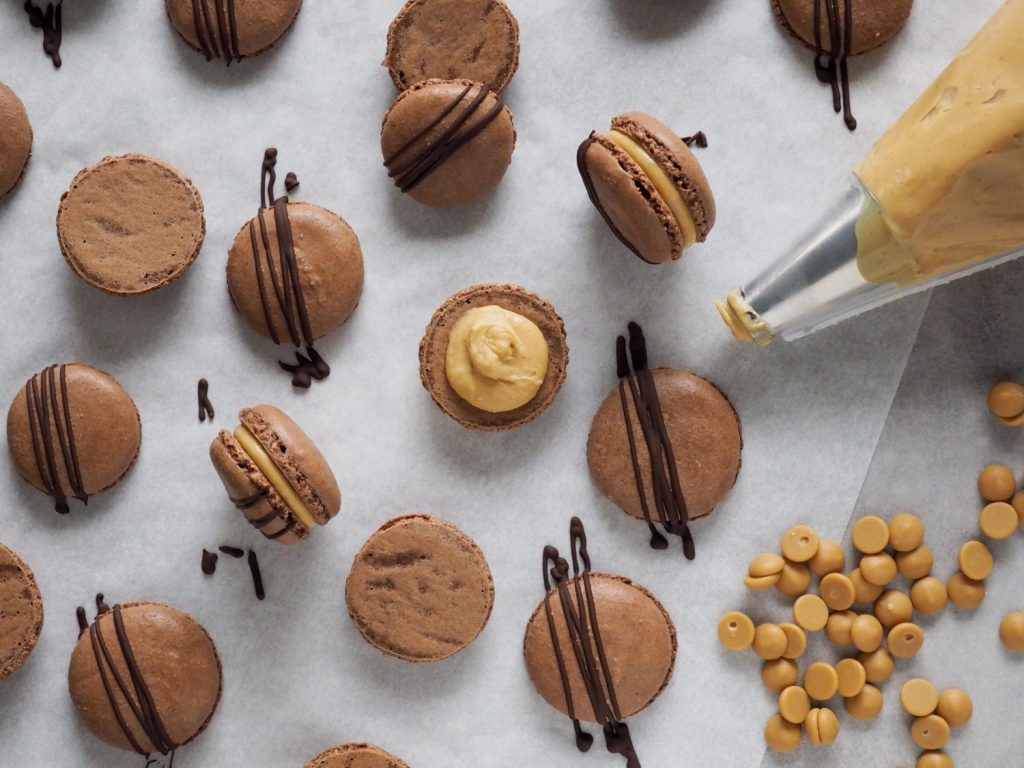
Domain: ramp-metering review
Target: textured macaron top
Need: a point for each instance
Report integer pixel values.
(641, 210)
(73, 432)
(419, 589)
(447, 143)
(874, 22)
(130, 224)
(355, 756)
(21, 612)
(434, 346)
(15, 139)
(144, 677)
(451, 39)
(232, 30)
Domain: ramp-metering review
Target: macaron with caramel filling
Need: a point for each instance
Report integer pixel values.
(649, 187)
(275, 475)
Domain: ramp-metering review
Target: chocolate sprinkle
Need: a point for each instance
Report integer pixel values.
(835, 72)
(205, 406)
(699, 138)
(257, 577)
(48, 413)
(581, 622)
(291, 182)
(50, 22)
(231, 551)
(209, 562)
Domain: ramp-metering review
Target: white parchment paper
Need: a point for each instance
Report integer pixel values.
(298, 678)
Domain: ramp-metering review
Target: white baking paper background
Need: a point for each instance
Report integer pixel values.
(298, 678)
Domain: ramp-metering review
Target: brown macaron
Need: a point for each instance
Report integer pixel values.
(21, 612)
(144, 677)
(419, 589)
(73, 432)
(688, 426)
(355, 756)
(435, 342)
(130, 225)
(15, 140)
(449, 39)
(232, 30)
(875, 22)
(447, 142)
(649, 187)
(275, 475)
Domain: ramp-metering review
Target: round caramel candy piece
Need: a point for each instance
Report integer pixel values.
(998, 520)
(1017, 502)
(905, 640)
(906, 532)
(794, 704)
(810, 612)
(975, 560)
(829, 558)
(821, 681)
(919, 697)
(769, 641)
(894, 607)
(996, 483)
(760, 583)
(878, 569)
(966, 594)
(864, 591)
(736, 631)
(1011, 631)
(934, 759)
(865, 705)
(822, 727)
(929, 596)
(796, 641)
(878, 665)
(852, 677)
(1006, 399)
(955, 707)
(765, 564)
(838, 628)
(867, 633)
(931, 732)
(870, 534)
(794, 579)
(915, 564)
(837, 591)
(779, 674)
(781, 735)
(800, 543)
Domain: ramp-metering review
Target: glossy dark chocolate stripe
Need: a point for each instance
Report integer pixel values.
(51, 23)
(222, 42)
(583, 629)
(257, 576)
(244, 502)
(203, 396)
(48, 412)
(835, 72)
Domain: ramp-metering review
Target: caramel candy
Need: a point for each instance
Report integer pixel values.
(996, 483)
(800, 543)
(878, 569)
(864, 591)
(975, 560)
(759, 583)
(955, 707)
(769, 641)
(867, 633)
(998, 520)
(966, 594)
(865, 705)
(1017, 502)
(1006, 400)
(931, 732)
(779, 674)
(838, 628)
(810, 612)
(894, 607)
(919, 697)
(781, 735)
(915, 564)
(821, 681)
(736, 631)
(878, 665)
(934, 759)
(794, 579)
(870, 534)
(929, 596)
(794, 704)
(852, 677)
(829, 558)
(796, 641)
(837, 591)
(1011, 631)
(905, 640)
(765, 564)
(906, 532)
(822, 727)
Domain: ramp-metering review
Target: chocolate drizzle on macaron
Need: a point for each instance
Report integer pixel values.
(49, 413)
(48, 20)
(218, 40)
(835, 71)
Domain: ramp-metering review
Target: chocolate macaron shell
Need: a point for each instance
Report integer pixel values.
(330, 264)
(448, 39)
(355, 756)
(130, 224)
(15, 140)
(419, 589)
(21, 612)
(419, 119)
(638, 637)
(176, 659)
(703, 429)
(103, 440)
(232, 29)
(875, 22)
(434, 346)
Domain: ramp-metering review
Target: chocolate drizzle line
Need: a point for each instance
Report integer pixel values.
(699, 138)
(231, 551)
(581, 165)
(835, 72)
(205, 406)
(581, 622)
(50, 22)
(134, 690)
(669, 500)
(246, 502)
(257, 577)
(209, 562)
(222, 42)
(48, 413)
(410, 172)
